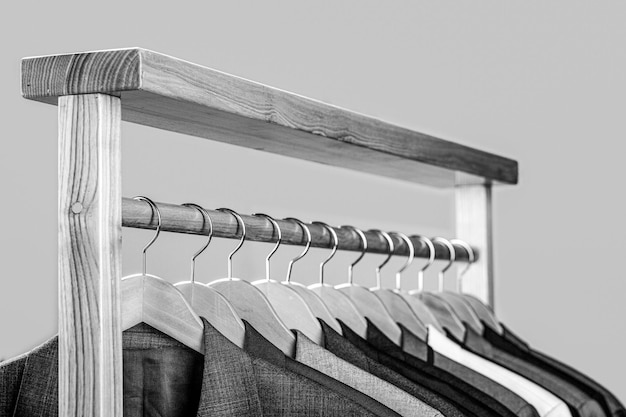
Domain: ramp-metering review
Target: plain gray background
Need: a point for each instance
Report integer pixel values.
(539, 82)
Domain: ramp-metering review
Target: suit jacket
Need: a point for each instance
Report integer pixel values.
(259, 347)
(512, 344)
(471, 384)
(508, 398)
(457, 392)
(165, 378)
(398, 400)
(546, 403)
(580, 404)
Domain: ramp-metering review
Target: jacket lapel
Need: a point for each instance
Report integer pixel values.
(228, 384)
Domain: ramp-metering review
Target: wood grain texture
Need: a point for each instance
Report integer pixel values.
(181, 219)
(89, 266)
(160, 91)
(474, 226)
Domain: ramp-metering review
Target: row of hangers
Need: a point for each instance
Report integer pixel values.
(274, 307)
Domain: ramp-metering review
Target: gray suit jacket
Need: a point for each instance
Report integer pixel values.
(164, 378)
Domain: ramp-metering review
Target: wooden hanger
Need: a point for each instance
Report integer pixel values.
(315, 303)
(396, 305)
(289, 305)
(209, 303)
(251, 304)
(368, 304)
(484, 313)
(339, 304)
(462, 310)
(441, 308)
(154, 301)
(420, 309)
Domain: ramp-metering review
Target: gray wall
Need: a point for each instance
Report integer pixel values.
(541, 83)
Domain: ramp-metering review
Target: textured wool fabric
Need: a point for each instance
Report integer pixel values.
(163, 378)
(259, 347)
(580, 404)
(546, 403)
(511, 343)
(11, 372)
(319, 358)
(508, 398)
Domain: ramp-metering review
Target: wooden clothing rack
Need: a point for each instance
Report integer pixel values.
(95, 91)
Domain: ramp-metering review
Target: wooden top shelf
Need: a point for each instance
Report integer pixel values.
(169, 93)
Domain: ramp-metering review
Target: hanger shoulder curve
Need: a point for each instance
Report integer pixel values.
(402, 312)
(421, 310)
(291, 308)
(445, 315)
(371, 307)
(317, 306)
(213, 306)
(252, 306)
(342, 308)
(462, 310)
(484, 312)
(156, 302)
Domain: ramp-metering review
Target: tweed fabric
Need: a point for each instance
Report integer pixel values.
(259, 347)
(11, 372)
(508, 398)
(393, 397)
(512, 344)
(580, 404)
(546, 403)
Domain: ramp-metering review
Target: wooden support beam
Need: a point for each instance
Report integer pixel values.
(474, 225)
(90, 336)
(173, 94)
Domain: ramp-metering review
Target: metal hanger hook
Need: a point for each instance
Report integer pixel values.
(206, 218)
(335, 240)
(361, 235)
(275, 227)
(431, 259)
(307, 233)
(156, 210)
(471, 257)
(390, 248)
(409, 260)
(445, 242)
(242, 225)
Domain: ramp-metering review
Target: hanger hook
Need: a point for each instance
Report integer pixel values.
(275, 227)
(307, 233)
(242, 225)
(447, 244)
(335, 240)
(156, 210)
(206, 218)
(409, 260)
(471, 257)
(360, 233)
(390, 249)
(431, 259)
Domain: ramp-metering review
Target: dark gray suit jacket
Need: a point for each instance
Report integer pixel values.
(165, 378)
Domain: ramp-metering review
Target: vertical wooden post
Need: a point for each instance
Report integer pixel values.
(474, 225)
(90, 226)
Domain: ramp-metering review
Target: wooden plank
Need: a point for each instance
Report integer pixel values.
(90, 336)
(474, 226)
(181, 219)
(169, 93)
